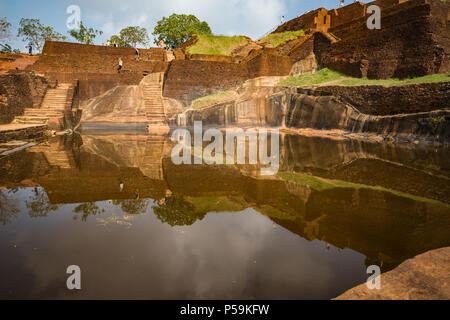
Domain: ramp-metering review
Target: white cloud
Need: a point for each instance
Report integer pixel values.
(248, 17)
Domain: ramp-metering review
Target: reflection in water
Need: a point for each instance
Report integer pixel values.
(141, 227)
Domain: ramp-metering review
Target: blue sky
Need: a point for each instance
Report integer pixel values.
(229, 17)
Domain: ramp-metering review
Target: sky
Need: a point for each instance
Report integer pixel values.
(252, 18)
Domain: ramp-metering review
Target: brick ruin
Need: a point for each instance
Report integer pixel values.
(414, 41)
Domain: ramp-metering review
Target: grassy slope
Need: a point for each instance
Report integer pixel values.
(212, 99)
(277, 39)
(325, 76)
(322, 184)
(217, 45)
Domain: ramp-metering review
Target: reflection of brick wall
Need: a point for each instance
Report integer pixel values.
(19, 91)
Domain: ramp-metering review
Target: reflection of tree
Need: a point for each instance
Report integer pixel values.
(88, 209)
(8, 209)
(132, 206)
(40, 204)
(177, 212)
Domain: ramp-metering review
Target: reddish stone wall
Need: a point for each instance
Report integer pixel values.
(379, 100)
(347, 14)
(11, 61)
(268, 65)
(215, 58)
(187, 80)
(60, 48)
(412, 42)
(20, 90)
(316, 20)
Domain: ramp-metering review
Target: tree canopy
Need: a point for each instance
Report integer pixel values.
(131, 37)
(4, 28)
(85, 35)
(178, 28)
(35, 33)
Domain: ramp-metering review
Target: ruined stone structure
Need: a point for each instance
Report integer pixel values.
(413, 41)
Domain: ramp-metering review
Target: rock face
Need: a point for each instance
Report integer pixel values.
(303, 108)
(426, 277)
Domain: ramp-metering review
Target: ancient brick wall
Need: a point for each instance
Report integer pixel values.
(379, 100)
(187, 80)
(316, 20)
(268, 65)
(412, 42)
(20, 90)
(207, 57)
(62, 48)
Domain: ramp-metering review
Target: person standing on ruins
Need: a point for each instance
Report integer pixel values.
(136, 55)
(342, 3)
(283, 20)
(30, 49)
(120, 65)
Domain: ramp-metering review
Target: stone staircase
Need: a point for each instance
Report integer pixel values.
(154, 107)
(52, 108)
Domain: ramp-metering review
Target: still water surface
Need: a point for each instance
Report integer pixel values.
(214, 232)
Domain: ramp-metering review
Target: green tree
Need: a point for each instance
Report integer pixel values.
(177, 212)
(178, 28)
(4, 28)
(118, 41)
(7, 48)
(131, 37)
(34, 32)
(85, 35)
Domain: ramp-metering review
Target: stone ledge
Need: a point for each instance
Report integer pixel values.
(425, 277)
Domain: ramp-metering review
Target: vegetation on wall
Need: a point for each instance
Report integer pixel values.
(217, 45)
(219, 97)
(274, 40)
(327, 76)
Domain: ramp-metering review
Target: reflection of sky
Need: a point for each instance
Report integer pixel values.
(223, 256)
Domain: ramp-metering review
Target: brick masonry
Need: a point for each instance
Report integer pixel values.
(20, 90)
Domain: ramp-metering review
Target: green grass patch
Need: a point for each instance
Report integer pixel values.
(219, 97)
(217, 45)
(322, 184)
(326, 75)
(272, 212)
(277, 39)
(215, 204)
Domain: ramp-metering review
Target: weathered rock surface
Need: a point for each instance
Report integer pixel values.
(426, 277)
(303, 108)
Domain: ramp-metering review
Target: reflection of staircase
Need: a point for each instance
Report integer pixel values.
(151, 165)
(56, 155)
(52, 108)
(154, 107)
